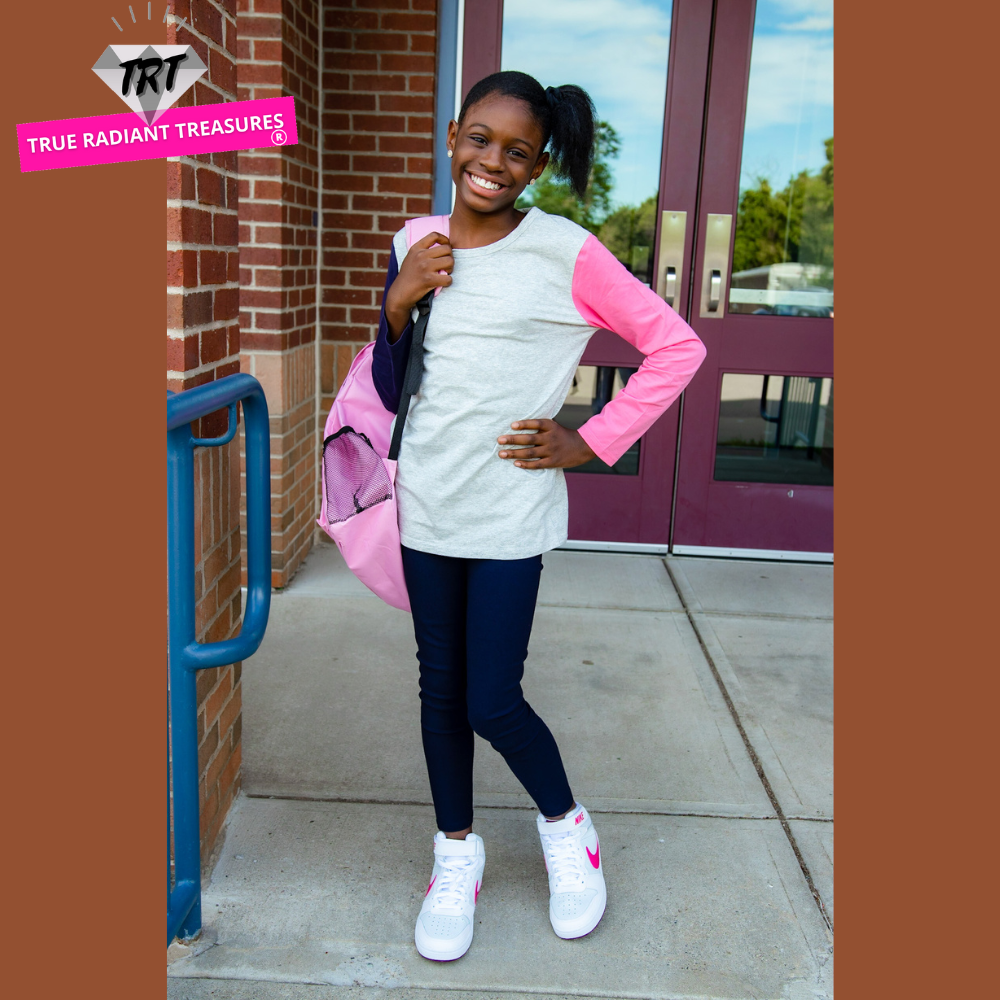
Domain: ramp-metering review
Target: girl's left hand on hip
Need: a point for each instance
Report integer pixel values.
(550, 446)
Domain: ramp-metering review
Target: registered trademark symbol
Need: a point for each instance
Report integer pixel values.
(278, 137)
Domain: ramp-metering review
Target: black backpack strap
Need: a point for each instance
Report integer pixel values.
(414, 372)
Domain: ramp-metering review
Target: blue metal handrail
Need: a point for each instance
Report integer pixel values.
(186, 654)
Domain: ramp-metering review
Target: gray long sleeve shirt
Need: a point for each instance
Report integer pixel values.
(503, 344)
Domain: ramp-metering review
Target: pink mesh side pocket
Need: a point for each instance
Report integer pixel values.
(354, 476)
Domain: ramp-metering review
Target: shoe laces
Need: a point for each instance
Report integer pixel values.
(564, 858)
(451, 889)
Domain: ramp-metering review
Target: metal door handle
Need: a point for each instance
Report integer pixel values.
(715, 290)
(715, 267)
(671, 257)
(670, 285)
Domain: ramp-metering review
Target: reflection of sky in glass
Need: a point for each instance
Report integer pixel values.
(617, 51)
(790, 103)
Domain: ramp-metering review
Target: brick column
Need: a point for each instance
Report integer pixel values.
(203, 342)
(378, 122)
(278, 55)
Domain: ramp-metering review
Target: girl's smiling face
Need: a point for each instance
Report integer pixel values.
(497, 151)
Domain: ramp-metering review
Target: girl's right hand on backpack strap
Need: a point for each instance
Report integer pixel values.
(418, 274)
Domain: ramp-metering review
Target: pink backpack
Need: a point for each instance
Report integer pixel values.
(358, 476)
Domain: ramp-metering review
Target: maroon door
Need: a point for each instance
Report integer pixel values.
(756, 453)
(629, 505)
(750, 444)
(604, 508)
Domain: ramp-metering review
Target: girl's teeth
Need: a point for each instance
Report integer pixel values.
(485, 184)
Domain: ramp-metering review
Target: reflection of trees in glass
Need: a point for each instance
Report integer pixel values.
(794, 224)
(552, 193)
(627, 231)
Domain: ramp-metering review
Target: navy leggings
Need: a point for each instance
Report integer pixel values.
(472, 619)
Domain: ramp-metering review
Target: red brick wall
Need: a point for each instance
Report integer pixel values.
(203, 343)
(278, 55)
(242, 254)
(378, 121)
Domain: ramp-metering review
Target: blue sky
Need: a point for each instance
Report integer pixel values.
(617, 50)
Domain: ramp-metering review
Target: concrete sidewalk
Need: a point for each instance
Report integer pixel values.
(692, 703)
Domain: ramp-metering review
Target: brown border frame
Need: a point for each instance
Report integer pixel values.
(84, 831)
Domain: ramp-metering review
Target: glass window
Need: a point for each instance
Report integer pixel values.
(775, 429)
(592, 388)
(617, 51)
(783, 246)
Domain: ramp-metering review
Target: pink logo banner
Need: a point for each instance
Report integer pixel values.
(208, 128)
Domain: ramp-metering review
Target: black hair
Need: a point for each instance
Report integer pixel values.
(565, 116)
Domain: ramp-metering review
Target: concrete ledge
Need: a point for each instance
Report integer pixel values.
(237, 989)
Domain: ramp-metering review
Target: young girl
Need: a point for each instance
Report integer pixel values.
(480, 488)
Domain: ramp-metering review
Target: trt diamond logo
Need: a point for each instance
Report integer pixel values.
(150, 78)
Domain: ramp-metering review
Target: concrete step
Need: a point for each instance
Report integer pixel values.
(241, 989)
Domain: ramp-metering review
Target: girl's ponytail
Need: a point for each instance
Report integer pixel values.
(564, 114)
(572, 139)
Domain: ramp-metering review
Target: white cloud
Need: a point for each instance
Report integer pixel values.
(809, 24)
(790, 78)
(615, 49)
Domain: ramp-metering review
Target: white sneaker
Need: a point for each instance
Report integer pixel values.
(577, 894)
(444, 927)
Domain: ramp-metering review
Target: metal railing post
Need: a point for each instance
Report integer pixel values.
(186, 654)
(183, 697)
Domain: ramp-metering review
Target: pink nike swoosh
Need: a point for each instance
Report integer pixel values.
(433, 880)
(476, 900)
(595, 858)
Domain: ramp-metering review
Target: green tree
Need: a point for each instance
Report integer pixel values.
(628, 233)
(553, 194)
(794, 224)
(816, 240)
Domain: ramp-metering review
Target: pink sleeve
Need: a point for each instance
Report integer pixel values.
(608, 297)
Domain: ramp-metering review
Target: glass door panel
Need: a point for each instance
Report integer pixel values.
(783, 245)
(755, 470)
(774, 429)
(594, 386)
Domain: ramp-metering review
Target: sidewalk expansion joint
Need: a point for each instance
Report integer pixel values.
(758, 766)
(604, 607)
(357, 800)
(767, 615)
